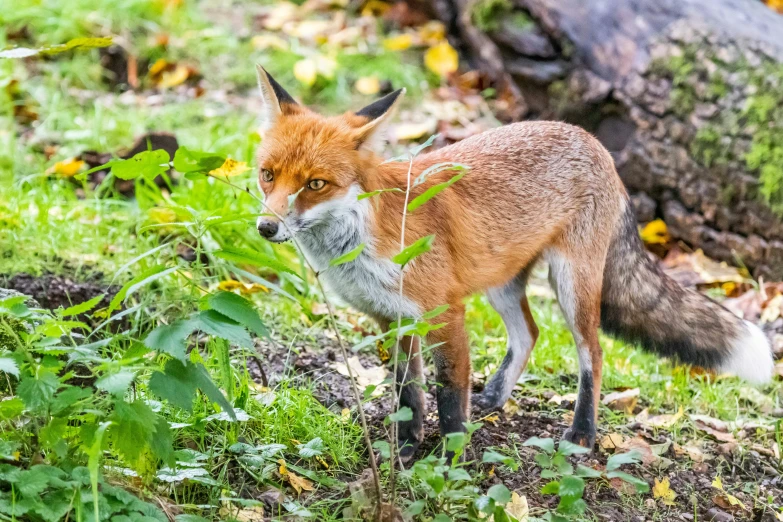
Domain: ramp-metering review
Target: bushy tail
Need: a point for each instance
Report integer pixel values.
(641, 304)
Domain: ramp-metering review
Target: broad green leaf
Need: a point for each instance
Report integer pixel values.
(618, 459)
(147, 164)
(383, 448)
(455, 441)
(178, 383)
(420, 246)
(571, 487)
(82, 307)
(214, 323)
(569, 448)
(251, 257)
(415, 508)
(348, 256)
(640, 485)
(116, 384)
(365, 195)
(187, 161)
(491, 457)
(75, 43)
(543, 460)
(37, 391)
(587, 472)
(571, 506)
(435, 312)
(401, 415)
(313, 448)
(499, 493)
(432, 191)
(8, 365)
(240, 310)
(170, 339)
(547, 445)
(551, 488)
(11, 408)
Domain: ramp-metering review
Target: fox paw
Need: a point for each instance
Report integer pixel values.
(486, 401)
(582, 438)
(408, 449)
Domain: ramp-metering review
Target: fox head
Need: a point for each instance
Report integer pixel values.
(311, 168)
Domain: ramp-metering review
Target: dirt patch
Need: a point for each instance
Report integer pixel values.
(52, 291)
(752, 477)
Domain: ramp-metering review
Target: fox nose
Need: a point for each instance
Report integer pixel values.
(267, 228)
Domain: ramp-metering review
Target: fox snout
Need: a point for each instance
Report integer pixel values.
(267, 227)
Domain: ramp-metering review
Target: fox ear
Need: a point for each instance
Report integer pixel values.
(379, 113)
(276, 99)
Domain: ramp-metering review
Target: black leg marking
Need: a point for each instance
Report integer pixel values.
(582, 431)
(493, 395)
(410, 433)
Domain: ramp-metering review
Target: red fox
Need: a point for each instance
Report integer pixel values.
(534, 190)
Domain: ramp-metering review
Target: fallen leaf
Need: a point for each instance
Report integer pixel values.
(230, 168)
(559, 399)
(375, 8)
(269, 41)
(659, 421)
(706, 425)
(279, 15)
(231, 285)
(511, 407)
(298, 483)
(772, 309)
(611, 441)
(399, 42)
(622, 401)
(368, 85)
(442, 59)
(413, 130)
(177, 76)
(67, 168)
(662, 490)
(364, 376)
(492, 418)
(432, 33)
(655, 233)
(249, 514)
(517, 507)
(692, 451)
(690, 269)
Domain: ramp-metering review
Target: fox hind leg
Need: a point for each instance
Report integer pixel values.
(511, 303)
(577, 282)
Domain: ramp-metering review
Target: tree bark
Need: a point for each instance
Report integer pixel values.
(666, 85)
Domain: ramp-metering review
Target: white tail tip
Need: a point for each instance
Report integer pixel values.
(751, 356)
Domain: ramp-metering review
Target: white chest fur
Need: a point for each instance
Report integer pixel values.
(368, 283)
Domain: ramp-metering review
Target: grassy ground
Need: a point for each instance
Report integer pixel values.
(54, 225)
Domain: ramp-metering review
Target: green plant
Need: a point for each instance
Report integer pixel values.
(568, 483)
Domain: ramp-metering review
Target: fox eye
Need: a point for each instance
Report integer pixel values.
(267, 175)
(316, 184)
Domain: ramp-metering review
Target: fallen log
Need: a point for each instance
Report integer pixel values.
(686, 94)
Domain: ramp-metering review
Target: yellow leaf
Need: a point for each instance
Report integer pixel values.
(244, 288)
(269, 41)
(441, 59)
(230, 168)
(734, 501)
(398, 43)
(655, 233)
(173, 78)
(282, 469)
(492, 418)
(717, 483)
(345, 414)
(368, 85)
(663, 491)
(306, 71)
(158, 67)
(432, 33)
(321, 461)
(66, 168)
(162, 215)
(383, 352)
(375, 8)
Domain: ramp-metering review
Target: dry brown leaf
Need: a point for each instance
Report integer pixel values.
(714, 427)
(511, 407)
(611, 441)
(299, 483)
(622, 401)
(250, 514)
(559, 399)
(518, 507)
(659, 421)
(697, 269)
(364, 376)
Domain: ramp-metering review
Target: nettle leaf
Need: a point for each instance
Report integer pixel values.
(251, 257)
(551, 488)
(32, 482)
(147, 164)
(75, 43)
(547, 445)
(499, 493)
(383, 448)
(618, 459)
(170, 338)
(117, 383)
(587, 472)
(571, 487)
(240, 310)
(313, 448)
(133, 426)
(432, 191)
(365, 195)
(214, 323)
(420, 246)
(348, 256)
(401, 415)
(37, 391)
(9, 365)
(82, 307)
(493, 457)
(178, 383)
(189, 161)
